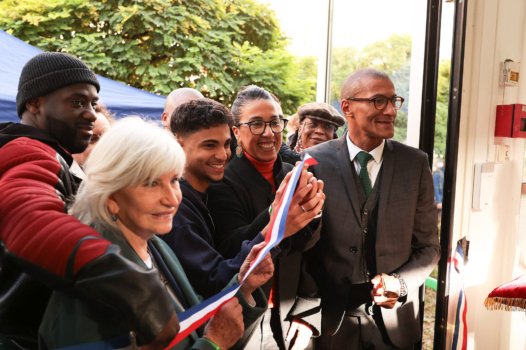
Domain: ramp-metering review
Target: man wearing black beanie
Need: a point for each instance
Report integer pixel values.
(42, 248)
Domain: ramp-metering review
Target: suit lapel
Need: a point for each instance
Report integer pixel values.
(388, 165)
(344, 161)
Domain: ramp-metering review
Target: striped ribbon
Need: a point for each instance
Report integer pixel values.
(460, 336)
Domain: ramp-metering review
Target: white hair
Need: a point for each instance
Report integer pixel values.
(132, 152)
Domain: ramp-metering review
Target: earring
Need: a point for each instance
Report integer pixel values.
(299, 145)
(239, 151)
(114, 218)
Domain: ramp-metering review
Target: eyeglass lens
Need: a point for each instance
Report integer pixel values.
(381, 102)
(258, 127)
(314, 125)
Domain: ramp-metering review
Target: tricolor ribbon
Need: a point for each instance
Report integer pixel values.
(460, 335)
(194, 317)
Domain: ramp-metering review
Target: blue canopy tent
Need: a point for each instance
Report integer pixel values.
(119, 98)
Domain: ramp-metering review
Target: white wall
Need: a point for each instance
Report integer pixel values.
(496, 30)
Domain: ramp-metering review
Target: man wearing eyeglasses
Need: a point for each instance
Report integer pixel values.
(379, 238)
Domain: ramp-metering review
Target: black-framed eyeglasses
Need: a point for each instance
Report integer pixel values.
(258, 127)
(380, 102)
(326, 127)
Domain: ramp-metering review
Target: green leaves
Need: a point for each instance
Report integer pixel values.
(388, 55)
(444, 71)
(215, 46)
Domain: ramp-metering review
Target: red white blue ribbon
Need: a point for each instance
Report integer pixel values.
(460, 336)
(193, 318)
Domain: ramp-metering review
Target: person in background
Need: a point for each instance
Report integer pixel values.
(175, 99)
(292, 126)
(318, 124)
(102, 124)
(42, 247)
(130, 195)
(438, 183)
(379, 239)
(240, 209)
(285, 152)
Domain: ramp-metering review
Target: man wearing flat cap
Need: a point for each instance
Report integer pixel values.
(318, 123)
(42, 248)
(379, 239)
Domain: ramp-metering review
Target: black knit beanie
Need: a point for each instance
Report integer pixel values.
(50, 71)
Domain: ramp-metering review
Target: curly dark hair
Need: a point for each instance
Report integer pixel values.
(200, 114)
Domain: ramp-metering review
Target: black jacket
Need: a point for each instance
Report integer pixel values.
(192, 242)
(239, 206)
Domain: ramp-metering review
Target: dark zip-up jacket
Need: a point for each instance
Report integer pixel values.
(192, 242)
(42, 248)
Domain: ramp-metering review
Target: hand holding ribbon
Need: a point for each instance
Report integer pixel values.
(259, 275)
(306, 203)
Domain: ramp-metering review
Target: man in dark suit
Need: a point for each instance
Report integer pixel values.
(379, 239)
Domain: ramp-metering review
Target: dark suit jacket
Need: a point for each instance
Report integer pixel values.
(407, 233)
(239, 207)
(192, 242)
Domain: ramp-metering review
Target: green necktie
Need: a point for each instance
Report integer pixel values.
(363, 159)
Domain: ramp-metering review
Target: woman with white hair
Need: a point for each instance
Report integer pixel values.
(130, 195)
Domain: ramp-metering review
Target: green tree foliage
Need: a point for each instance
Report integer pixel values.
(389, 55)
(215, 46)
(444, 72)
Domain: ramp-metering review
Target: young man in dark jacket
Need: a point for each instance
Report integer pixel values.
(42, 247)
(202, 127)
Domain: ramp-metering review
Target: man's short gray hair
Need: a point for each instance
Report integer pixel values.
(132, 152)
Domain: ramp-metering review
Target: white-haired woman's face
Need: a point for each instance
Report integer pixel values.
(147, 209)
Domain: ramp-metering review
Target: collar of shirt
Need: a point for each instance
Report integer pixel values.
(377, 153)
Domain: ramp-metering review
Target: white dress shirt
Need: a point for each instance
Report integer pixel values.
(373, 167)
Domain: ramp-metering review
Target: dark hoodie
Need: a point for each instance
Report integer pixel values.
(192, 242)
(43, 248)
